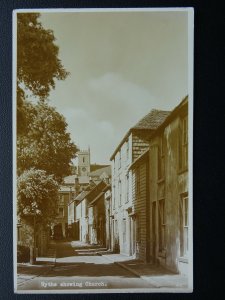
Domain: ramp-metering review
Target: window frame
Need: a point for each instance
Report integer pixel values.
(183, 143)
(161, 225)
(184, 225)
(127, 187)
(127, 149)
(138, 180)
(124, 230)
(161, 157)
(120, 192)
(114, 196)
(119, 160)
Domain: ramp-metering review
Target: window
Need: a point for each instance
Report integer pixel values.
(61, 200)
(119, 160)
(114, 200)
(124, 230)
(120, 193)
(127, 185)
(83, 159)
(61, 212)
(138, 180)
(127, 149)
(85, 208)
(116, 227)
(183, 144)
(183, 225)
(138, 229)
(161, 158)
(162, 225)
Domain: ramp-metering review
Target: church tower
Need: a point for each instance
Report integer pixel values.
(84, 162)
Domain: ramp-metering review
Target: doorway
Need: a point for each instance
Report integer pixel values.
(77, 231)
(133, 235)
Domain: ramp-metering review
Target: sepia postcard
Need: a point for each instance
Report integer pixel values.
(103, 143)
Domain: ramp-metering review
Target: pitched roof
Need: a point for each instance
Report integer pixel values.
(96, 198)
(152, 120)
(182, 106)
(66, 189)
(81, 196)
(91, 191)
(96, 190)
(149, 122)
(94, 167)
(139, 159)
(99, 172)
(71, 179)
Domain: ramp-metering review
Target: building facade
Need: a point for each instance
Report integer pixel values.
(169, 208)
(60, 225)
(124, 222)
(77, 184)
(108, 213)
(90, 214)
(140, 220)
(97, 215)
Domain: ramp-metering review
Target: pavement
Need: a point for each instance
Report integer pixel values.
(77, 261)
(27, 271)
(156, 275)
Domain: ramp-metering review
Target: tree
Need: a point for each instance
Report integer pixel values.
(45, 144)
(44, 148)
(37, 194)
(38, 65)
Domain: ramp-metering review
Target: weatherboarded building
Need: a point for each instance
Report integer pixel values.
(140, 192)
(127, 231)
(169, 204)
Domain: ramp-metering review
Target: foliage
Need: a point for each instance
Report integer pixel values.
(23, 254)
(37, 195)
(38, 65)
(45, 143)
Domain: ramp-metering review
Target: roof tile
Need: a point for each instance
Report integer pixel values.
(152, 120)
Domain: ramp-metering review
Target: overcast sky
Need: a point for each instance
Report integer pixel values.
(122, 65)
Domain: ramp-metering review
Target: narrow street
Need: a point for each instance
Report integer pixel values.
(79, 266)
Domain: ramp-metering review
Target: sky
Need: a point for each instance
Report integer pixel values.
(122, 65)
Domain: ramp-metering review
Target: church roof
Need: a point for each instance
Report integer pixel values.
(99, 172)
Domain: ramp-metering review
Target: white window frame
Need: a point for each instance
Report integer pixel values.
(127, 187)
(184, 225)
